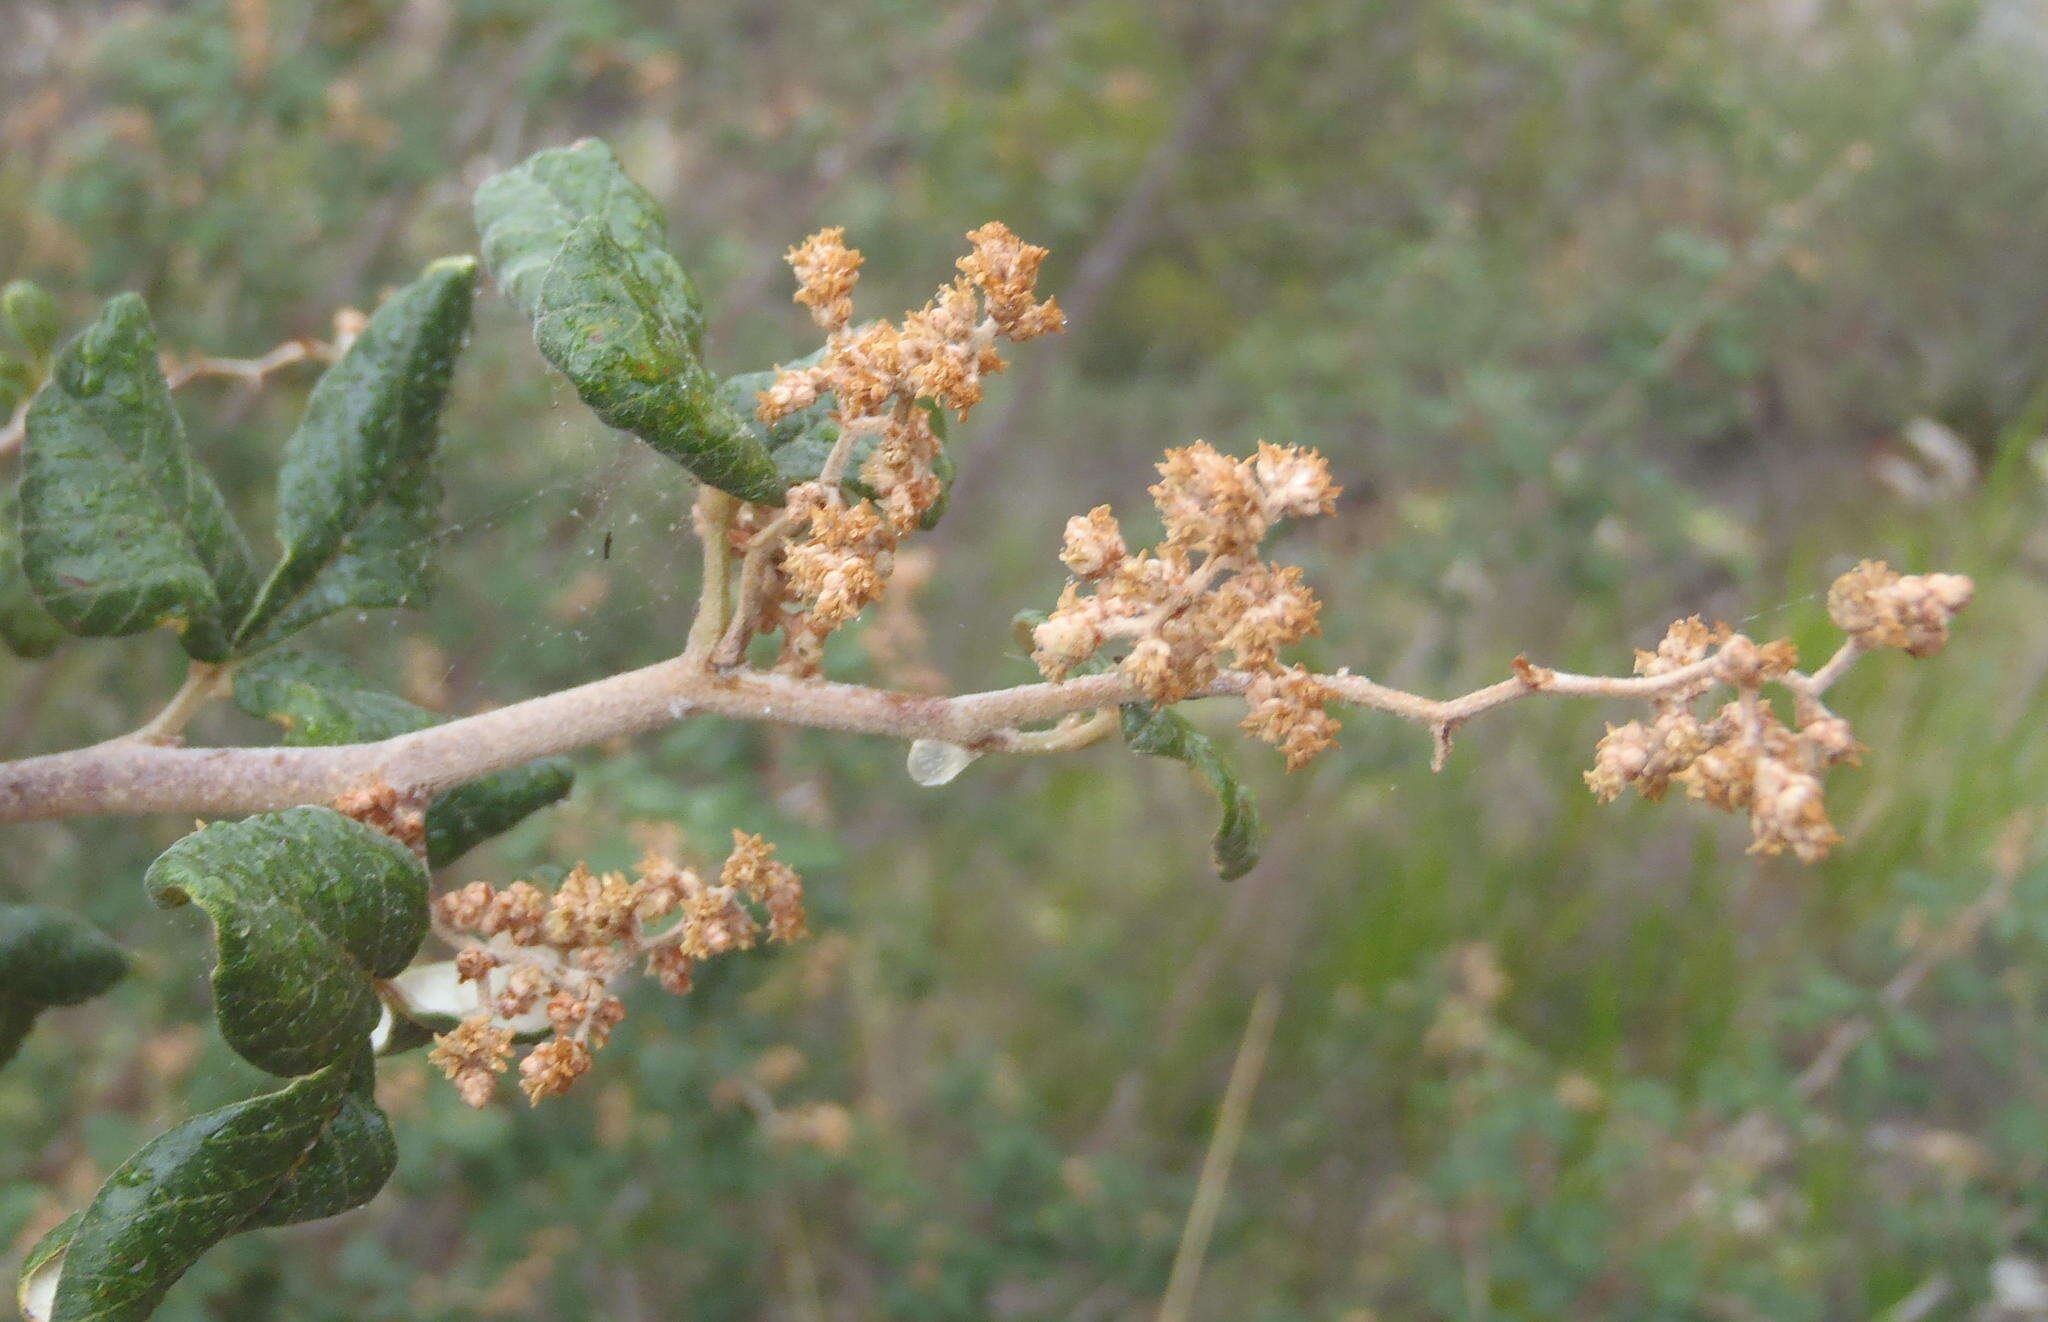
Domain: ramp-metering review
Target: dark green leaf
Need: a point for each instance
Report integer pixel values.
(1163, 732)
(16, 1018)
(468, 815)
(526, 214)
(313, 1149)
(121, 528)
(308, 907)
(48, 957)
(348, 1163)
(319, 700)
(26, 629)
(355, 495)
(609, 327)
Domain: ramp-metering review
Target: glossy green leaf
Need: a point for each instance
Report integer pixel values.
(608, 326)
(308, 908)
(524, 216)
(313, 1149)
(121, 529)
(347, 1164)
(1163, 732)
(26, 629)
(49, 957)
(319, 700)
(470, 814)
(355, 495)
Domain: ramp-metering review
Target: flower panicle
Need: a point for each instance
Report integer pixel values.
(1203, 601)
(1745, 758)
(884, 378)
(562, 954)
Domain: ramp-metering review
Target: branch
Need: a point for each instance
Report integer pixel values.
(129, 777)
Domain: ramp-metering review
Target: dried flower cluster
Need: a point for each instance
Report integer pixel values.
(836, 555)
(382, 808)
(1881, 608)
(1744, 758)
(562, 954)
(1202, 600)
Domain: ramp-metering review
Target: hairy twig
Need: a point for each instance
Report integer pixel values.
(204, 682)
(134, 777)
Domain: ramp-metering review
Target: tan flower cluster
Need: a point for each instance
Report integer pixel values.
(838, 554)
(1744, 758)
(1202, 601)
(1880, 608)
(563, 953)
(382, 808)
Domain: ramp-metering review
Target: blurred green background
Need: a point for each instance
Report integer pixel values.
(1605, 311)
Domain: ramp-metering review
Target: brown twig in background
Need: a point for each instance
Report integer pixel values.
(1186, 1275)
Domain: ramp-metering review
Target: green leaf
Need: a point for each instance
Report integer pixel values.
(26, 629)
(1163, 732)
(608, 326)
(470, 814)
(346, 1166)
(355, 495)
(312, 1149)
(527, 213)
(48, 957)
(32, 315)
(121, 529)
(319, 700)
(308, 908)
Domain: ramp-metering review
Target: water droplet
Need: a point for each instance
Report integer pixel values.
(934, 762)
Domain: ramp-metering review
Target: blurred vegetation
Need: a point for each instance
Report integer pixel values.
(1606, 311)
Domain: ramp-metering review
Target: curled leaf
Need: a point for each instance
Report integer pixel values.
(1163, 732)
(309, 908)
(606, 324)
(313, 1149)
